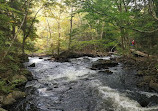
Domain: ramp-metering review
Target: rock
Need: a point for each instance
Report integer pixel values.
(32, 65)
(148, 78)
(40, 57)
(19, 79)
(18, 94)
(106, 71)
(142, 84)
(103, 64)
(12, 97)
(140, 73)
(1, 99)
(1, 109)
(153, 85)
(8, 100)
(66, 55)
(27, 74)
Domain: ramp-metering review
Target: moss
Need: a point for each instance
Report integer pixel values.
(6, 88)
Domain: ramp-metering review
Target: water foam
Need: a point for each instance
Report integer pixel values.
(119, 101)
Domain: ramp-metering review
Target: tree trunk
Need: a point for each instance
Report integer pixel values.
(23, 45)
(71, 20)
(59, 34)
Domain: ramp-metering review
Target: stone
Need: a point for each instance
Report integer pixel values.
(1, 109)
(18, 94)
(8, 100)
(1, 99)
(32, 65)
(12, 97)
(106, 71)
(103, 64)
(19, 79)
(140, 73)
(148, 78)
(153, 85)
(142, 84)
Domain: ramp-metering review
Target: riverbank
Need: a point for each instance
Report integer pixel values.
(13, 76)
(146, 74)
(147, 71)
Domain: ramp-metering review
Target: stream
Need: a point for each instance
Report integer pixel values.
(73, 86)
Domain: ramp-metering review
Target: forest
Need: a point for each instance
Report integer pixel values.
(51, 27)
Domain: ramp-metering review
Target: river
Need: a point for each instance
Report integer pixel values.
(73, 86)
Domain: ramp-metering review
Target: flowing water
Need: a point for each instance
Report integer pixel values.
(73, 86)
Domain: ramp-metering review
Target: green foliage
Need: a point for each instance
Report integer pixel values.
(6, 88)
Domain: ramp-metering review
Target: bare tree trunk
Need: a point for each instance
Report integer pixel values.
(50, 34)
(23, 46)
(102, 31)
(71, 21)
(59, 34)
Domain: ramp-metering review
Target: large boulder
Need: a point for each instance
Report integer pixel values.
(66, 55)
(12, 97)
(103, 64)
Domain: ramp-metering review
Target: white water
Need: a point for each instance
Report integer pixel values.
(58, 73)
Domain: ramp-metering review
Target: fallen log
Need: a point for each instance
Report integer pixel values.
(139, 53)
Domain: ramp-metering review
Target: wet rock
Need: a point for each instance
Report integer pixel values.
(1, 109)
(103, 64)
(106, 71)
(153, 85)
(56, 87)
(40, 57)
(66, 55)
(32, 65)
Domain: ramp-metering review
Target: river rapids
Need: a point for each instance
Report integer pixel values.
(73, 86)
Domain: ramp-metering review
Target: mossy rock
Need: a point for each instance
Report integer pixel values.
(148, 78)
(153, 85)
(18, 94)
(12, 97)
(1, 98)
(27, 74)
(18, 79)
(1, 109)
(8, 100)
